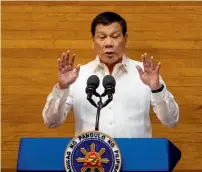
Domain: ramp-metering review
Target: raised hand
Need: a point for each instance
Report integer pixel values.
(150, 74)
(67, 74)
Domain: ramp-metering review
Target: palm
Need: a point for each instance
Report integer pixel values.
(149, 78)
(66, 73)
(67, 77)
(150, 75)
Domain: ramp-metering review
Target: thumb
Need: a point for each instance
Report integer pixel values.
(77, 69)
(158, 68)
(139, 69)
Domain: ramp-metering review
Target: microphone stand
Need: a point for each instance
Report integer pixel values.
(99, 106)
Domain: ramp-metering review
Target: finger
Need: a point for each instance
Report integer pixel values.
(67, 54)
(67, 57)
(63, 60)
(77, 69)
(59, 65)
(144, 60)
(158, 68)
(140, 70)
(154, 63)
(151, 63)
(147, 61)
(72, 60)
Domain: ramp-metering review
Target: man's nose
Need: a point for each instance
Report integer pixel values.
(109, 43)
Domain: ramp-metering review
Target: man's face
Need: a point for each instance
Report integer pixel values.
(109, 43)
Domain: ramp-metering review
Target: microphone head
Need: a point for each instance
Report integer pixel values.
(93, 80)
(108, 80)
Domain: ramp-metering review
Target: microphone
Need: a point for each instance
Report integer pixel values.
(109, 85)
(92, 84)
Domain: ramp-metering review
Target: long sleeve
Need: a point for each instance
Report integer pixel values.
(165, 107)
(58, 105)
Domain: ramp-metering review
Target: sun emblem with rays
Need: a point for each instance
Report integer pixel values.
(92, 159)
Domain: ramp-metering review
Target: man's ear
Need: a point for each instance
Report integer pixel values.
(92, 38)
(126, 39)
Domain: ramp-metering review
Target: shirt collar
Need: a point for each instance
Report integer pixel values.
(97, 63)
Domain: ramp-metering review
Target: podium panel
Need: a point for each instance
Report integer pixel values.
(138, 154)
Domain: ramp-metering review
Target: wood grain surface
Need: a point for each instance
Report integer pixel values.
(34, 34)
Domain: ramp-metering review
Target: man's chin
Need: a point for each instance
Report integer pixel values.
(110, 62)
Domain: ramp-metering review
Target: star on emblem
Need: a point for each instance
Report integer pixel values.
(92, 159)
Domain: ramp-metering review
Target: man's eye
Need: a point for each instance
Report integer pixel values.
(115, 36)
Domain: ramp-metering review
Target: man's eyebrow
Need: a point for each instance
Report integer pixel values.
(117, 31)
(101, 32)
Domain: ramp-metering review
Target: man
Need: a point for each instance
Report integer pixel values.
(138, 85)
